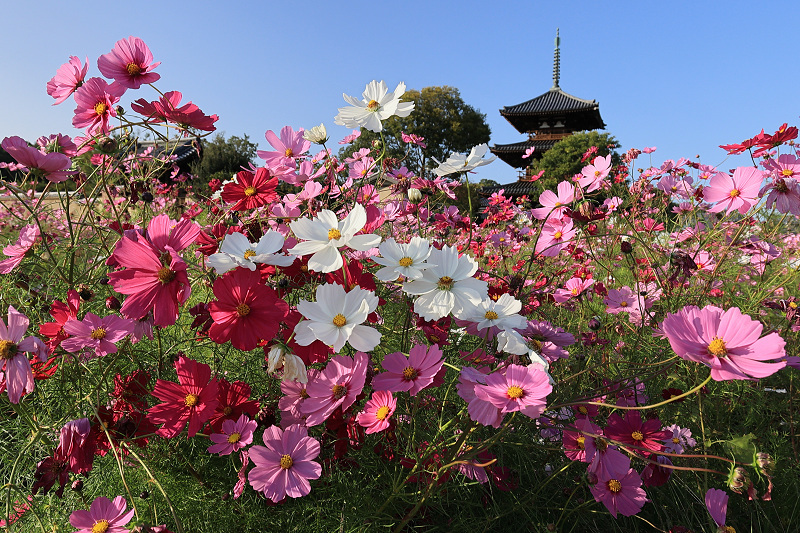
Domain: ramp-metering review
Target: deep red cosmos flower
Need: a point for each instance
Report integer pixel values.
(234, 401)
(642, 435)
(168, 109)
(193, 399)
(251, 191)
(245, 311)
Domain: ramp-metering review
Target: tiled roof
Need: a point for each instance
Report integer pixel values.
(518, 188)
(512, 153)
(554, 100)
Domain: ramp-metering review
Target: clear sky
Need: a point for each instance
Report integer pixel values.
(682, 76)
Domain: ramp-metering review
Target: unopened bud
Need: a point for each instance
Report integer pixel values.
(414, 195)
(595, 324)
(77, 485)
(738, 480)
(626, 247)
(764, 462)
(376, 144)
(112, 303)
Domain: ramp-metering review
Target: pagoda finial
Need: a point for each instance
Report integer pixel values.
(557, 61)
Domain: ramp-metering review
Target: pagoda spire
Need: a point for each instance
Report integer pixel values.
(556, 62)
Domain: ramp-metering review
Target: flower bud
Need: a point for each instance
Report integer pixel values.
(316, 135)
(626, 247)
(376, 144)
(738, 481)
(77, 485)
(595, 324)
(414, 195)
(765, 463)
(112, 303)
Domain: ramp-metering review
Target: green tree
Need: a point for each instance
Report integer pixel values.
(222, 158)
(563, 160)
(441, 116)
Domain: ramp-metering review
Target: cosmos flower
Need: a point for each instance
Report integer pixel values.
(130, 64)
(376, 105)
(291, 145)
(68, 78)
(250, 191)
(413, 373)
(53, 166)
(16, 252)
(97, 101)
(736, 193)
(458, 162)
(620, 489)
(96, 334)
(237, 251)
(285, 465)
(377, 411)
(406, 260)
(516, 388)
(104, 515)
(15, 369)
(338, 385)
(235, 435)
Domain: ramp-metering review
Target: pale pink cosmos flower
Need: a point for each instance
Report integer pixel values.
(594, 174)
(377, 411)
(235, 435)
(574, 287)
(555, 235)
(413, 373)
(727, 341)
(554, 204)
(129, 64)
(97, 102)
(16, 252)
(529, 152)
(736, 193)
(516, 388)
(68, 78)
(285, 465)
(352, 137)
(337, 385)
(288, 147)
(622, 300)
(481, 411)
(103, 515)
(53, 166)
(16, 375)
(97, 334)
(717, 505)
(680, 440)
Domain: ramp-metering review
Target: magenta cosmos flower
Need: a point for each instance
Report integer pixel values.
(193, 399)
(53, 166)
(620, 490)
(717, 505)
(129, 64)
(97, 334)
(285, 465)
(288, 148)
(235, 436)
(737, 193)
(377, 411)
(16, 375)
(68, 78)
(412, 373)
(643, 436)
(168, 109)
(727, 341)
(97, 102)
(516, 388)
(103, 516)
(337, 385)
(16, 252)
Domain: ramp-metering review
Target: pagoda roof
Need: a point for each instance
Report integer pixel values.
(512, 153)
(580, 114)
(518, 188)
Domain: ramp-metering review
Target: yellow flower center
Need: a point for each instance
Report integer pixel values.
(574, 292)
(490, 315)
(191, 400)
(304, 394)
(726, 529)
(787, 172)
(623, 303)
(614, 485)
(249, 253)
(793, 305)
(242, 309)
(637, 436)
(406, 262)
(445, 283)
(100, 108)
(382, 413)
(581, 442)
(7, 349)
(234, 438)
(558, 234)
(515, 392)
(286, 462)
(583, 410)
(717, 348)
(410, 373)
(250, 191)
(734, 193)
(165, 275)
(98, 334)
(227, 410)
(675, 440)
(339, 320)
(334, 234)
(133, 69)
(100, 526)
(373, 105)
(339, 391)
(288, 152)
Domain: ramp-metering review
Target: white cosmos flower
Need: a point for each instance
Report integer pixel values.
(323, 235)
(503, 313)
(458, 162)
(317, 134)
(448, 286)
(378, 104)
(293, 367)
(407, 260)
(236, 250)
(336, 317)
(510, 341)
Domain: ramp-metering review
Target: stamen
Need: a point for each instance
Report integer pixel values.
(191, 400)
(100, 108)
(8, 349)
(133, 69)
(98, 334)
(406, 262)
(234, 438)
(339, 320)
(334, 234)
(614, 486)
(410, 373)
(286, 462)
(242, 309)
(717, 348)
(165, 275)
(514, 392)
(250, 191)
(382, 413)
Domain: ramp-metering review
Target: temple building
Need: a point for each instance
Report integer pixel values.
(546, 119)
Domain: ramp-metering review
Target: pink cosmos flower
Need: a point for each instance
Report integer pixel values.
(574, 288)
(554, 204)
(622, 300)
(129, 64)
(737, 193)
(68, 78)
(574, 440)
(480, 411)
(16, 375)
(99, 334)
(377, 411)
(53, 166)
(168, 109)
(285, 465)
(193, 399)
(620, 490)
(410, 138)
(594, 174)
(555, 235)
(337, 385)
(529, 152)
(17, 251)
(680, 440)
(516, 388)
(235, 435)
(717, 505)
(352, 137)
(727, 341)
(412, 373)
(288, 148)
(104, 516)
(643, 436)
(97, 102)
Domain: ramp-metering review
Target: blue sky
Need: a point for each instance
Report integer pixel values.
(682, 76)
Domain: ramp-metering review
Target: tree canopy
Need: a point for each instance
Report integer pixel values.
(447, 123)
(222, 158)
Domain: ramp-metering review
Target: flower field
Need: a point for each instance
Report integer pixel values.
(324, 343)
